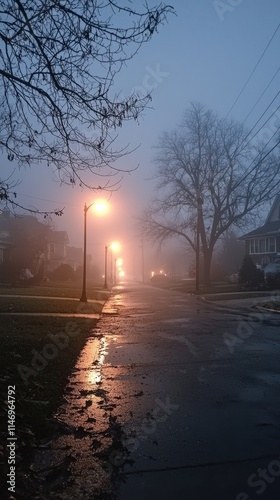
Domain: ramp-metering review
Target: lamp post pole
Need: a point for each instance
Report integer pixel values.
(105, 280)
(100, 206)
(84, 294)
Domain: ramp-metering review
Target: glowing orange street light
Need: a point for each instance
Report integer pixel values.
(119, 262)
(115, 246)
(101, 207)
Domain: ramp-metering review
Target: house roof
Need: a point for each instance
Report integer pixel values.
(265, 230)
(274, 204)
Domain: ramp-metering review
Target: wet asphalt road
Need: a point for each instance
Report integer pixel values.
(196, 390)
(179, 396)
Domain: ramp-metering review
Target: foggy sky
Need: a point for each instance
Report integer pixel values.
(205, 53)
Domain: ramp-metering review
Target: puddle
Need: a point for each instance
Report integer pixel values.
(71, 464)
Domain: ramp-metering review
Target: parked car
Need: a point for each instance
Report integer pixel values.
(272, 274)
(159, 278)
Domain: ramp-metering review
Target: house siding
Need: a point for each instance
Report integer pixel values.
(263, 243)
(55, 250)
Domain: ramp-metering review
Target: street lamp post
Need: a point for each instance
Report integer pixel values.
(84, 294)
(105, 278)
(100, 207)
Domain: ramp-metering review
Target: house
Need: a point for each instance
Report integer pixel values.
(263, 243)
(26, 243)
(55, 250)
(75, 257)
(22, 240)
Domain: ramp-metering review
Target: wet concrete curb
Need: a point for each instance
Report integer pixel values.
(234, 296)
(271, 316)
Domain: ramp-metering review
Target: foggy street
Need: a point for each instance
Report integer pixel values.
(140, 250)
(199, 408)
(188, 392)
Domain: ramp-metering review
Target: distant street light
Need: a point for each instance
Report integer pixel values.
(100, 208)
(118, 264)
(114, 247)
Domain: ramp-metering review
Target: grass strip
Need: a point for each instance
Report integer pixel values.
(39, 381)
(39, 374)
(51, 305)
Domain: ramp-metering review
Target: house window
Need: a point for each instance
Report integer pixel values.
(262, 245)
(51, 247)
(257, 246)
(272, 246)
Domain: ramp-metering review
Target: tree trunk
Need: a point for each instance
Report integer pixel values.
(207, 258)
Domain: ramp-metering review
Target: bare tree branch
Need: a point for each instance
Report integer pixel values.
(58, 63)
(211, 159)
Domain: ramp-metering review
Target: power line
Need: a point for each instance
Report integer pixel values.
(256, 133)
(270, 151)
(265, 156)
(268, 85)
(252, 72)
(256, 123)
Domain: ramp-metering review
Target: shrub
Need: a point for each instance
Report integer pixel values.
(249, 275)
(272, 274)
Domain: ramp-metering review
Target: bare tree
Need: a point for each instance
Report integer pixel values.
(210, 178)
(58, 63)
